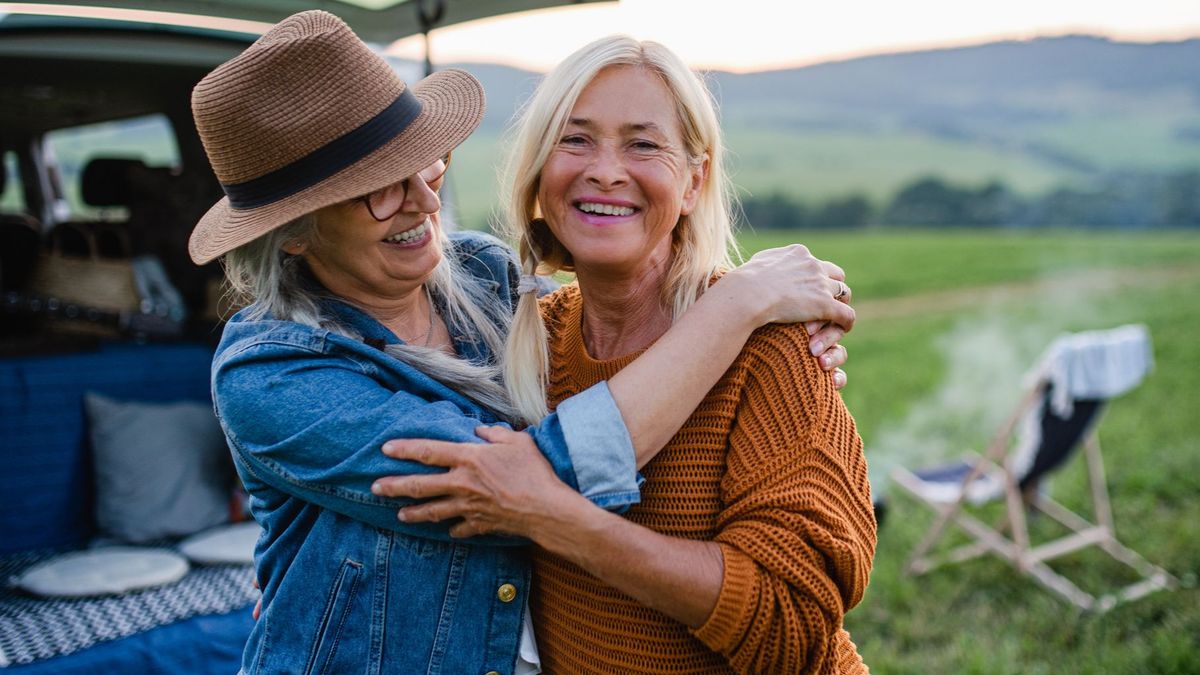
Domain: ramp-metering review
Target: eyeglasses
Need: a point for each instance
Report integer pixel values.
(385, 203)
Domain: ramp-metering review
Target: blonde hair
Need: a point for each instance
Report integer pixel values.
(701, 242)
(262, 273)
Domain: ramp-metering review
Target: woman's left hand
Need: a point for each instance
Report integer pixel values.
(495, 488)
(825, 343)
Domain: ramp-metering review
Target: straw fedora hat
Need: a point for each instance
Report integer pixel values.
(309, 116)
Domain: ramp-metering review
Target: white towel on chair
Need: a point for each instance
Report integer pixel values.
(1099, 364)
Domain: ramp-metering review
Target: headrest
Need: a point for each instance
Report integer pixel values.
(20, 241)
(108, 181)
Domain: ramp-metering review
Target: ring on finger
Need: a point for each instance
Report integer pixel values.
(843, 291)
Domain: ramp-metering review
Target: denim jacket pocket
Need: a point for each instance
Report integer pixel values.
(337, 608)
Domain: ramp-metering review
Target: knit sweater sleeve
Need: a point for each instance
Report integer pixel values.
(797, 532)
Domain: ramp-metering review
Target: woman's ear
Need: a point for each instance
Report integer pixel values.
(697, 174)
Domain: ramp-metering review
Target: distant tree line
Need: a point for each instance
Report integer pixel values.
(1117, 200)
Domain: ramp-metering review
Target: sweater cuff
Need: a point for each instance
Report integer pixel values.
(725, 627)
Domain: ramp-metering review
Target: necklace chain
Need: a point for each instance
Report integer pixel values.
(428, 331)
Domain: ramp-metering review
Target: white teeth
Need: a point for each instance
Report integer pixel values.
(606, 209)
(409, 235)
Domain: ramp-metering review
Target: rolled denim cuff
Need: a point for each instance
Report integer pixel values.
(600, 448)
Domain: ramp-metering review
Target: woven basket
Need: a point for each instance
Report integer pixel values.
(92, 282)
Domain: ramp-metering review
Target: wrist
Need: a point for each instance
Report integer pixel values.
(742, 300)
(564, 529)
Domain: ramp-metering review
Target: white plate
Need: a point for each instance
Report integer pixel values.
(104, 571)
(224, 545)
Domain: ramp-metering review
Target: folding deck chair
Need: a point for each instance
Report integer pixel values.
(1058, 413)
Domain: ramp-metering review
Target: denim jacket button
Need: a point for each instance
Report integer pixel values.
(506, 593)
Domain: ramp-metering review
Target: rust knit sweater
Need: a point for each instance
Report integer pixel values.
(771, 467)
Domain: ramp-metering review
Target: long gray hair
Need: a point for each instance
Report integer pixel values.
(262, 273)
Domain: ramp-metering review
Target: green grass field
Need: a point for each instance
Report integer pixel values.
(939, 376)
(817, 165)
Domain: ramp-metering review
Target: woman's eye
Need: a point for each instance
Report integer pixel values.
(645, 145)
(573, 140)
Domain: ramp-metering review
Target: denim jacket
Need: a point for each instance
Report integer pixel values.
(346, 586)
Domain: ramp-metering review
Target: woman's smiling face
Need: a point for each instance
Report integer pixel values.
(619, 178)
(372, 262)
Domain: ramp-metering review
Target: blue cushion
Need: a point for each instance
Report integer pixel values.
(161, 469)
(46, 486)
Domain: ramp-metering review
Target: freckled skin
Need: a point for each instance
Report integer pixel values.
(623, 142)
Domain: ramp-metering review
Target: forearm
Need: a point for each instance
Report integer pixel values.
(660, 390)
(679, 577)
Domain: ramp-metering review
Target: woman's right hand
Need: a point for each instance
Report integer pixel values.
(499, 488)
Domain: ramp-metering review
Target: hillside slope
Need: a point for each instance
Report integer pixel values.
(1035, 114)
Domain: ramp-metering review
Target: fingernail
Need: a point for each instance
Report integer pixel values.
(818, 347)
(376, 489)
(401, 516)
(826, 361)
(388, 448)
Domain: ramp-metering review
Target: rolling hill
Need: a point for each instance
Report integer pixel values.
(1034, 114)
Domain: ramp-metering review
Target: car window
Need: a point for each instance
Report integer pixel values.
(149, 138)
(12, 198)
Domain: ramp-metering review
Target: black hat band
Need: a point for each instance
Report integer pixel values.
(328, 159)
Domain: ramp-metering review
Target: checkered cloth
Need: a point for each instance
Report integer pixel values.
(37, 628)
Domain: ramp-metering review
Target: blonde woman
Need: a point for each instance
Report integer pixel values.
(754, 534)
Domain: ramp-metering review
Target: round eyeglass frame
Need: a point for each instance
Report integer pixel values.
(434, 183)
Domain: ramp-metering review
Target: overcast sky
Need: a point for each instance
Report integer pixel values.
(761, 34)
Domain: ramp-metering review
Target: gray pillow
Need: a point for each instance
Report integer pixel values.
(161, 469)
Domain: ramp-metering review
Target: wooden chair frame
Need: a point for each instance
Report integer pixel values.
(1018, 550)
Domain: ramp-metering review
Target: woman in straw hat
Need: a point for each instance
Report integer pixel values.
(369, 322)
(755, 531)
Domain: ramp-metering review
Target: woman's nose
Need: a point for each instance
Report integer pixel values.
(607, 169)
(421, 198)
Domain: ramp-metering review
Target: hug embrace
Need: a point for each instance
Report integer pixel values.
(646, 470)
